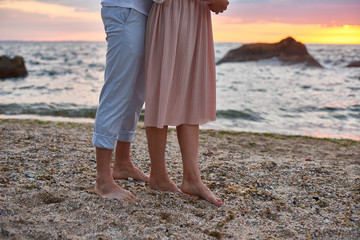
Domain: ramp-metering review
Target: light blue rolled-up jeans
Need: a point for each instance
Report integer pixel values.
(123, 93)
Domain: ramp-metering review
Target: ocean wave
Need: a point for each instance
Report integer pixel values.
(304, 109)
(73, 110)
(234, 114)
(48, 110)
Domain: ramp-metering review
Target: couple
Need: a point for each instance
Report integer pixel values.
(170, 52)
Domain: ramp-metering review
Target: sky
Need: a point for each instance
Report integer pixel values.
(308, 21)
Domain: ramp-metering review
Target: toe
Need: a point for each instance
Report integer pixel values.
(216, 203)
(129, 199)
(219, 202)
(146, 179)
(134, 198)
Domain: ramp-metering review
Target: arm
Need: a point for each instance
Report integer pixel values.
(217, 6)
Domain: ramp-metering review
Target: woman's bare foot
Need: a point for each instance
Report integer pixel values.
(130, 172)
(111, 190)
(163, 185)
(201, 190)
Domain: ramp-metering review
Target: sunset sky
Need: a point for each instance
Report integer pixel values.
(308, 21)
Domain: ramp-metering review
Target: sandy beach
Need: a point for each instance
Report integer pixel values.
(273, 186)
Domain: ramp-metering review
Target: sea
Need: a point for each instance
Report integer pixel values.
(65, 79)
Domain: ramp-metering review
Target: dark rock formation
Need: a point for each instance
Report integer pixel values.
(287, 50)
(11, 68)
(354, 64)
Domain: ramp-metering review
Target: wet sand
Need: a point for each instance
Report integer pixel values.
(273, 186)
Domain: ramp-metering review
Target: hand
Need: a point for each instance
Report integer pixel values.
(218, 6)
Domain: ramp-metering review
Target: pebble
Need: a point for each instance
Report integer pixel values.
(130, 184)
(252, 221)
(30, 175)
(316, 198)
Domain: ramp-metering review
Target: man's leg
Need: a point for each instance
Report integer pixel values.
(123, 167)
(120, 74)
(105, 185)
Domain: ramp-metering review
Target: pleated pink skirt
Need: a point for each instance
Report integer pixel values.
(179, 64)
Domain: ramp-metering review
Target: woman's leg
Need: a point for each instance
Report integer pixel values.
(188, 136)
(159, 178)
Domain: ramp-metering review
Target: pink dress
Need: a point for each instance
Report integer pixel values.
(179, 64)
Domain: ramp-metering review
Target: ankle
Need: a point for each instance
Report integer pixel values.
(124, 164)
(104, 180)
(192, 179)
(159, 178)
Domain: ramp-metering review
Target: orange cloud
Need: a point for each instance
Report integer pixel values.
(49, 9)
(230, 30)
(44, 21)
(38, 21)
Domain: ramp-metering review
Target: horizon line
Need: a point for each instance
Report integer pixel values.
(98, 41)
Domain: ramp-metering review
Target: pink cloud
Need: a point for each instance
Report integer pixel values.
(17, 25)
(299, 13)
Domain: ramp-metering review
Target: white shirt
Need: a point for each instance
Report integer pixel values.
(142, 6)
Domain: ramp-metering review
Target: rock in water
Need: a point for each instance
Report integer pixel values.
(287, 50)
(354, 64)
(10, 68)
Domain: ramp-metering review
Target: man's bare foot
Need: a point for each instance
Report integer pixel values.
(113, 191)
(201, 190)
(164, 185)
(130, 172)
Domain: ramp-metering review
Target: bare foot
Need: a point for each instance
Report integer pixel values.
(131, 172)
(113, 191)
(165, 185)
(201, 190)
